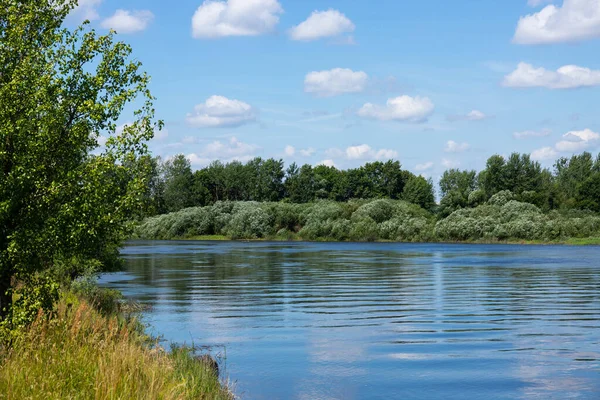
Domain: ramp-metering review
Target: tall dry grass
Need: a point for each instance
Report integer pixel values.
(81, 354)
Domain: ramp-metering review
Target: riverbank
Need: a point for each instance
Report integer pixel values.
(592, 241)
(80, 353)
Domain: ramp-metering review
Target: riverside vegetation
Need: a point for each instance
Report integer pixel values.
(65, 207)
(512, 199)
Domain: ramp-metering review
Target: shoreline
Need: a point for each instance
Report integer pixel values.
(591, 241)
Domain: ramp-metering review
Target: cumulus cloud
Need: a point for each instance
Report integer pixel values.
(327, 163)
(307, 152)
(567, 77)
(124, 21)
(289, 151)
(365, 152)
(219, 111)
(532, 134)
(215, 19)
(454, 147)
(226, 151)
(403, 108)
(575, 20)
(424, 167)
(322, 24)
(545, 153)
(474, 115)
(86, 9)
(361, 152)
(573, 142)
(335, 82)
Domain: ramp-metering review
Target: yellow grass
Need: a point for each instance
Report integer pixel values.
(80, 354)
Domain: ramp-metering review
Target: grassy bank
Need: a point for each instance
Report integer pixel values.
(595, 241)
(82, 354)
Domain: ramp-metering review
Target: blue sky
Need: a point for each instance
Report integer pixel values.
(434, 84)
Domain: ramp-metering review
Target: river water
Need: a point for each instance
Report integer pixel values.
(379, 321)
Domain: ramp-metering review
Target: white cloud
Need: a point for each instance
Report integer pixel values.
(532, 134)
(575, 20)
(424, 167)
(215, 19)
(575, 141)
(321, 24)
(567, 77)
(447, 163)
(335, 82)
(403, 108)
(361, 152)
(124, 21)
(307, 152)
(162, 134)
(474, 115)
(545, 153)
(225, 151)
(453, 147)
(86, 9)
(289, 151)
(364, 152)
(327, 163)
(219, 111)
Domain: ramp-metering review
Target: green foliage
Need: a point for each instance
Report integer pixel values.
(501, 198)
(104, 300)
(33, 294)
(419, 191)
(178, 185)
(61, 195)
(378, 210)
(249, 221)
(504, 219)
(359, 220)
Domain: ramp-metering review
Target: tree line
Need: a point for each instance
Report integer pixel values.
(174, 186)
(573, 183)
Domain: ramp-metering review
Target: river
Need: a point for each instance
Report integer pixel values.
(378, 320)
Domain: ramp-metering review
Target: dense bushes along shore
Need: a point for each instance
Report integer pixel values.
(499, 219)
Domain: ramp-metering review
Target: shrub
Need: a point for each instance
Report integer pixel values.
(476, 197)
(364, 230)
(378, 210)
(501, 198)
(249, 221)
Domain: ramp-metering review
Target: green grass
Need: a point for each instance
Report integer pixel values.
(591, 241)
(207, 238)
(81, 354)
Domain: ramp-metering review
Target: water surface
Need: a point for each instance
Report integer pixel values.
(379, 321)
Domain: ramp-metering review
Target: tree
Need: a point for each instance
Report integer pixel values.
(300, 183)
(419, 190)
(492, 180)
(61, 196)
(179, 182)
(455, 187)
